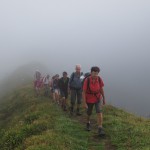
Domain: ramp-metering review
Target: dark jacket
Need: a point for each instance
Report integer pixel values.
(63, 84)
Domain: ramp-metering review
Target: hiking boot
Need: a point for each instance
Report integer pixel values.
(101, 132)
(88, 127)
(78, 112)
(65, 109)
(62, 106)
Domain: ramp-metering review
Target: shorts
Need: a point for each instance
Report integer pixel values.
(37, 84)
(64, 94)
(98, 107)
(52, 90)
(56, 91)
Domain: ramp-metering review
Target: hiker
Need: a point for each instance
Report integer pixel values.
(46, 83)
(63, 85)
(37, 82)
(75, 85)
(52, 89)
(93, 94)
(55, 87)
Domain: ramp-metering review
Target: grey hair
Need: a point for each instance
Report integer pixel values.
(78, 66)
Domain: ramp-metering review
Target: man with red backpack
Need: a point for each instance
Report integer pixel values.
(93, 94)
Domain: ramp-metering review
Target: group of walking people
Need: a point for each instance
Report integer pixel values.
(86, 89)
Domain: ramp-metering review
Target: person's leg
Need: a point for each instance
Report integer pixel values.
(100, 120)
(45, 90)
(37, 91)
(73, 100)
(65, 100)
(61, 98)
(38, 88)
(98, 107)
(50, 93)
(62, 102)
(57, 96)
(65, 104)
(100, 125)
(79, 97)
(53, 94)
(89, 112)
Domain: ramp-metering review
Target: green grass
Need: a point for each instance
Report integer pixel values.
(31, 123)
(125, 130)
(34, 123)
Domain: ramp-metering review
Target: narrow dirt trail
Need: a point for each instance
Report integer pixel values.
(93, 139)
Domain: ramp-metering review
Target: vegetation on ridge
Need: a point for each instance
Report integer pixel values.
(31, 123)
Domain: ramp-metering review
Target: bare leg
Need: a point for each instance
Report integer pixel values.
(100, 119)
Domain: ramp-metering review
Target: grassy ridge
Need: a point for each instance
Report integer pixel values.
(127, 131)
(31, 123)
(37, 124)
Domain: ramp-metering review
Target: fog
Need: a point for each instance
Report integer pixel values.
(114, 35)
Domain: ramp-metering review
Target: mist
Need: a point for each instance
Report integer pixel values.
(113, 35)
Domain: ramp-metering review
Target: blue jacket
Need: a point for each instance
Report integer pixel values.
(75, 82)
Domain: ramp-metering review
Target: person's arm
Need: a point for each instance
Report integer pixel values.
(84, 99)
(68, 89)
(70, 80)
(84, 93)
(103, 95)
(59, 84)
(49, 83)
(52, 83)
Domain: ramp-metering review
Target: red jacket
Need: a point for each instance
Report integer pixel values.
(94, 87)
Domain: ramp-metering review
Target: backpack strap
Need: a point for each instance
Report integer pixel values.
(88, 86)
(73, 74)
(99, 79)
(72, 77)
(88, 82)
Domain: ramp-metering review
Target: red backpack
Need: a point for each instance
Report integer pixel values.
(90, 90)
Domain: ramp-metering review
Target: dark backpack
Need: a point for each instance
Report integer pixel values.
(86, 75)
(73, 74)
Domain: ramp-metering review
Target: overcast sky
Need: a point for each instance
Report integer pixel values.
(113, 34)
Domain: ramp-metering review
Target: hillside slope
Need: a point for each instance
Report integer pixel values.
(31, 123)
